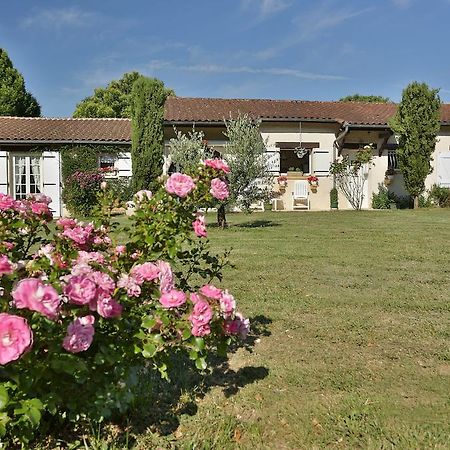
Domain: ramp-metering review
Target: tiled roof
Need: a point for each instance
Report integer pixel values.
(36, 129)
(182, 109)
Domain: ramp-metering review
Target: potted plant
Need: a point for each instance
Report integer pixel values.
(313, 183)
(282, 182)
(295, 173)
(389, 177)
(334, 199)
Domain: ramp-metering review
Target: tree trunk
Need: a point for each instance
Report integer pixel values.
(221, 219)
(416, 201)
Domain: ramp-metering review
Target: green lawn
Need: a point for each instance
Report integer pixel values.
(351, 342)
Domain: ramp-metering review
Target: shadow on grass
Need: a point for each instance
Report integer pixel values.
(161, 403)
(258, 224)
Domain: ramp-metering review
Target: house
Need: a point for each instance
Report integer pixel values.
(305, 135)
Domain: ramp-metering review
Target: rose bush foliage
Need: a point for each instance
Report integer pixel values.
(82, 317)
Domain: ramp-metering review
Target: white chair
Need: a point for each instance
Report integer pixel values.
(300, 196)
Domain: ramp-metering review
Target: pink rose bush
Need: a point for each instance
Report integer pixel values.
(79, 306)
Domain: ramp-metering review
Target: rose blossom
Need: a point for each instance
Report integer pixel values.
(227, 304)
(200, 330)
(130, 284)
(180, 184)
(80, 290)
(120, 250)
(201, 314)
(41, 198)
(199, 225)
(7, 202)
(142, 195)
(173, 299)
(219, 189)
(6, 266)
(15, 337)
(165, 276)
(66, 222)
(218, 164)
(195, 298)
(40, 209)
(103, 281)
(145, 272)
(109, 308)
(210, 291)
(238, 326)
(80, 334)
(31, 293)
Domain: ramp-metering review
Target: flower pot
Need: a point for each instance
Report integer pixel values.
(314, 188)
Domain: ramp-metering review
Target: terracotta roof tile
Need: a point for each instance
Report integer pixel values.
(37, 129)
(183, 109)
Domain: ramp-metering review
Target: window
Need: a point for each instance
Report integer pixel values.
(289, 160)
(27, 176)
(107, 163)
(392, 160)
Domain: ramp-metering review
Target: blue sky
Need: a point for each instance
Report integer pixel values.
(281, 49)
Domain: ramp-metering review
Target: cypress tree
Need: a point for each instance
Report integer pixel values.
(147, 111)
(15, 100)
(417, 124)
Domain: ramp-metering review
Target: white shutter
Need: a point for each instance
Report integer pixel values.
(4, 175)
(321, 161)
(51, 177)
(444, 169)
(273, 161)
(123, 164)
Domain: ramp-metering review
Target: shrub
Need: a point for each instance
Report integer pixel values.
(83, 317)
(440, 196)
(383, 198)
(334, 199)
(81, 190)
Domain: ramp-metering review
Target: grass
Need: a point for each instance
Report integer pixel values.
(351, 340)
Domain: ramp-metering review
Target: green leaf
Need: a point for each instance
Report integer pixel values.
(193, 355)
(4, 419)
(149, 350)
(200, 363)
(148, 322)
(199, 344)
(4, 397)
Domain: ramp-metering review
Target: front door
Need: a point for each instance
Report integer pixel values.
(27, 175)
(443, 171)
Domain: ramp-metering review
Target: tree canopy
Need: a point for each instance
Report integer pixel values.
(112, 101)
(416, 124)
(15, 100)
(365, 98)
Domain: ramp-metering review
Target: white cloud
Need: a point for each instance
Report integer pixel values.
(311, 25)
(58, 18)
(266, 8)
(157, 65)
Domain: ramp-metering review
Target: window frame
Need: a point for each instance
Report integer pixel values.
(27, 156)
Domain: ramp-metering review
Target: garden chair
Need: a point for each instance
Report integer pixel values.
(300, 196)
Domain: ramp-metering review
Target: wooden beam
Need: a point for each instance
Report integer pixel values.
(292, 145)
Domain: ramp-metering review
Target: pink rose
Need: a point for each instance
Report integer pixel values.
(238, 326)
(201, 314)
(227, 304)
(31, 293)
(8, 245)
(210, 291)
(41, 198)
(15, 337)
(79, 235)
(65, 222)
(165, 276)
(180, 184)
(7, 202)
(219, 189)
(80, 334)
(200, 330)
(173, 299)
(6, 266)
(130, 284)
(218, 164)
(120, 250)
(40, 209)
(109, 308)
(80, 290)
(103, 281)
(87, 257)
(145, 272)
(199, 225)
(195, 298)
(143, 195)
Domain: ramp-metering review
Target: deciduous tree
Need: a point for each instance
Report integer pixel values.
(365, 98)
(15, 100)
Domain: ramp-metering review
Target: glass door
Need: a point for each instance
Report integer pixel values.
(27, 176)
